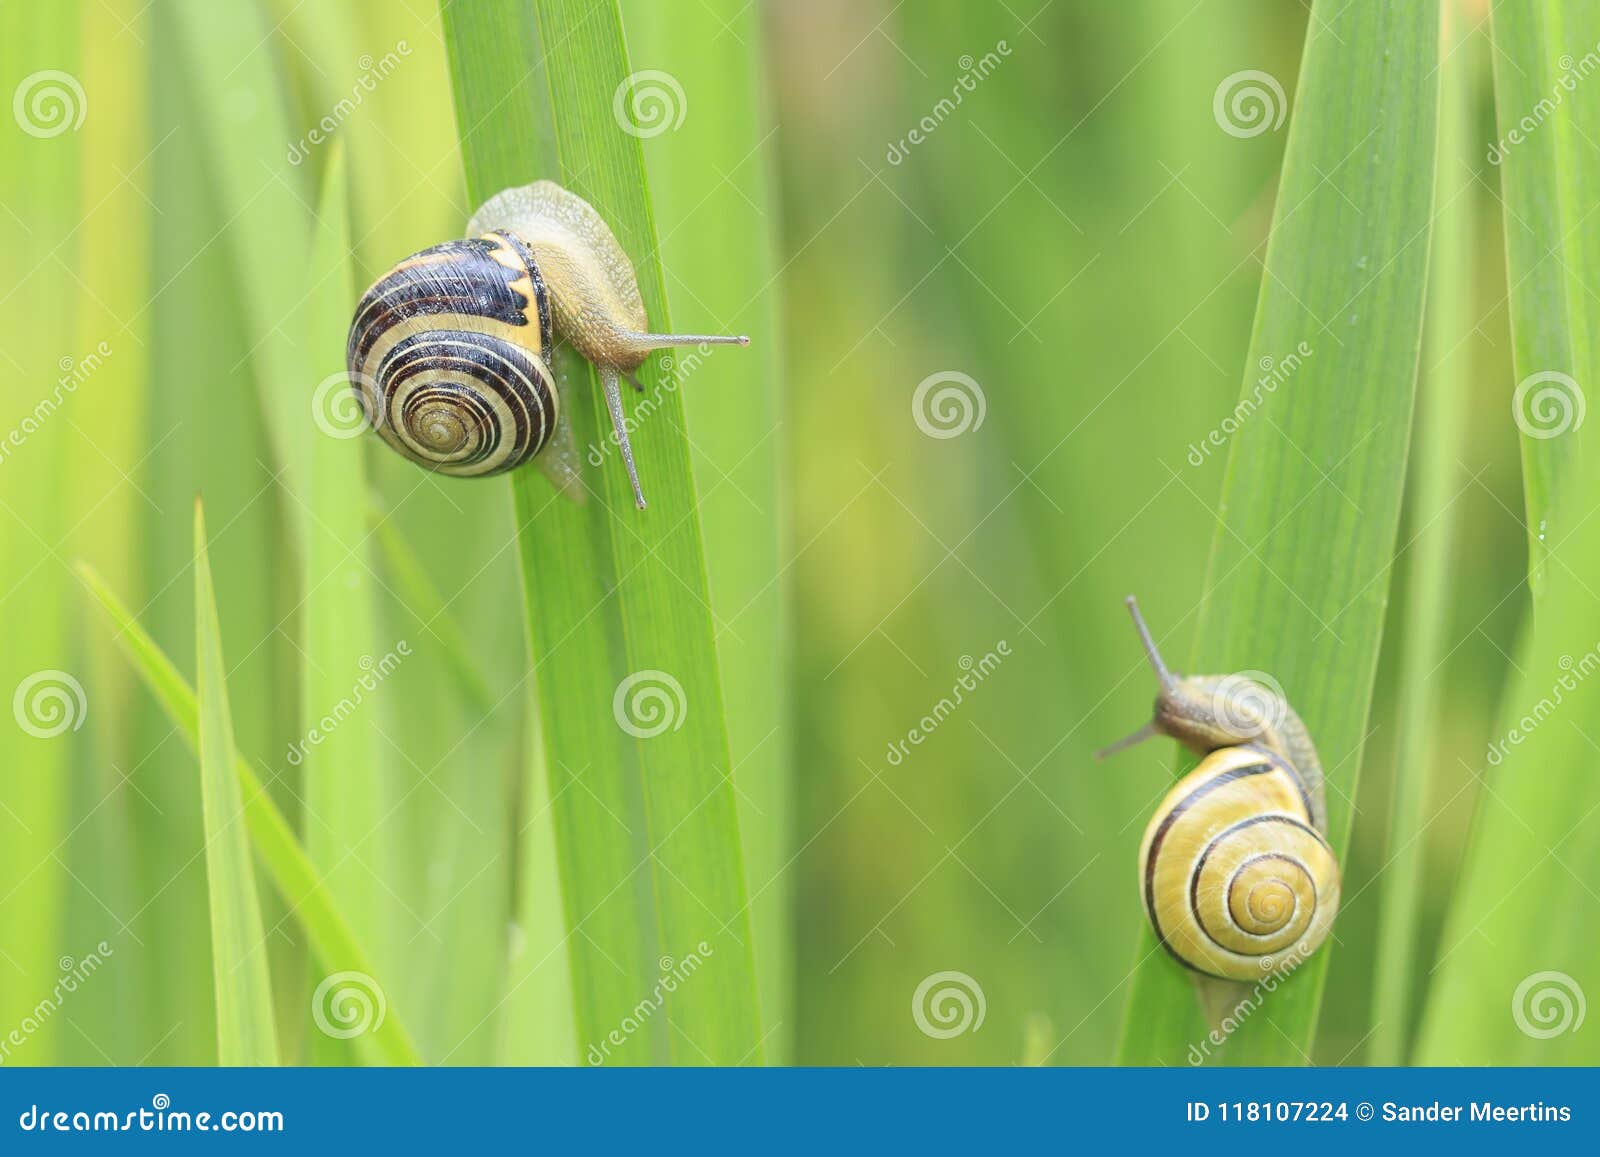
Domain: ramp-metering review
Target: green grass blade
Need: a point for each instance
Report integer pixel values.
(240, 106)
(204, 435)
(537, 1027)
(246, 1034)
(1523, 932)
(1549, 181)
(104, 851)
(1441, 430)
(1299, 568)
(593, 780)
(330, 934)
(40, 170)
(618, 600)
(348, 809)
(717, 241)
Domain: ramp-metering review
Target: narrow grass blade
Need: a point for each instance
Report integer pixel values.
(292, 873)
(618, 603)
(454, 759)
(205, 436)
(240, 108)
(1521, 945)
(246, 1034)
(1299, 568)
(399, 140)
(1441, 429)
(341, 753)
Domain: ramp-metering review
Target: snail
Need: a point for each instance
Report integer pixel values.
(449, 351)
(1235, 870)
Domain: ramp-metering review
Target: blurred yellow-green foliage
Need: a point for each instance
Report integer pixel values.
(1075, 248)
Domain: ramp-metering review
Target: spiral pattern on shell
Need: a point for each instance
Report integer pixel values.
(1236, 880)
(447, 353)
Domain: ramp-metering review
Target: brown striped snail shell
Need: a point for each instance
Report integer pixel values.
(1235, 872)
(449, 351)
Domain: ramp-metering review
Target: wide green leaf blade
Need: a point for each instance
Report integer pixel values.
(717, 244)
(619, 613)
(1299, 568)
(1521, 945)
(1435, 487)
(1549, 181)
(246, 1034)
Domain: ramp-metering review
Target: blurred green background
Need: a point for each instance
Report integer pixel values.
(1078, 237)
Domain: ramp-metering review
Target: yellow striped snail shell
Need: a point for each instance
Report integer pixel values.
(1235, 872)
(449, 351)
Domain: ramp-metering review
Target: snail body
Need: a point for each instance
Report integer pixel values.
(1235, 872)
(450, 350)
